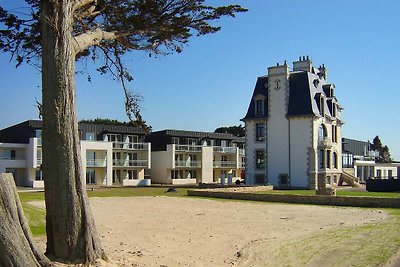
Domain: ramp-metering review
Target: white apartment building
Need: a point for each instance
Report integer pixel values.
(293, 128)
(188, 157)
(111, 155)
(359, 159)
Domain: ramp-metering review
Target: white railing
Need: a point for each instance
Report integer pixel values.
(224, 164)
(222, 149)
(130, 146)
(189, 164)
(188, 148)
(96, 163)
(130, 163)
(242, 152)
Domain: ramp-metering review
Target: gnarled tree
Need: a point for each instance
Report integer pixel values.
(63, 31)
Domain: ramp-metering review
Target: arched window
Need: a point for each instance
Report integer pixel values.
(334, 160)
(322, 132)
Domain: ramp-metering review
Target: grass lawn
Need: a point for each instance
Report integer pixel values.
(338, 193)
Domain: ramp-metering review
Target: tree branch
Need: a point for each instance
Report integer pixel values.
(81, 3)
(85, 40)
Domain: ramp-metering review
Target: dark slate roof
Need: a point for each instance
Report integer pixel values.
(300, 98)
(195, 134)
(260, 89)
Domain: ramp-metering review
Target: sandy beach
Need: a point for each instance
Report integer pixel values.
(169, 231)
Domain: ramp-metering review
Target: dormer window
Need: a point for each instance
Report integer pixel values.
(259, 107)
(322, 106)
(333, 109)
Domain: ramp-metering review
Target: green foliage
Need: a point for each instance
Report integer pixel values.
(238, 131)
(384, 154)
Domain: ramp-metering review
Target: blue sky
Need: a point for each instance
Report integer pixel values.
(210, 83)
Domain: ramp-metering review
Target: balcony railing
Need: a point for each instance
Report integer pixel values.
(11, 158)
(189, 164)
(326, 142)
(224, 164)
(130, 146)
(221, 149)
(96, 163)
(130, 163)
(188, 148)
(242, 152)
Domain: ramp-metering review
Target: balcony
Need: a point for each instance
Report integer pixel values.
(188, 164)
(225, 164)
(96, 163)
(326, 142)
(188, 148)
(130, 146)
(220, 149)
(11, 158)
(130, 163)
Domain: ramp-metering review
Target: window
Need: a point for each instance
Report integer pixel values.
(321, 159)
(259, 159)
(333, 109)
(132, 139)
(259, 107)
(90, 136)
(321, 132)
(328, 159)
(90, 176)
(113, 138)
(379, 173)
(334, 134)
(334, 160)
(39, 175)
(175, 140)
(283, 179)
(224, 143)
(322, 106)
(260, 131)
(176, 174)
(131, 174)
(390, 174)
(192, 174)
(191, 141)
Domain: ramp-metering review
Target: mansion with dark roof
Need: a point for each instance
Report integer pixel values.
(293, 128)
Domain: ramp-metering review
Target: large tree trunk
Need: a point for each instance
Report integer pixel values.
(16, 245)
(71, 233)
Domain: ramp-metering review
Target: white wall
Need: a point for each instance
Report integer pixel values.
(161, 164)
(277, 127)
(300, 142)
(207, 164)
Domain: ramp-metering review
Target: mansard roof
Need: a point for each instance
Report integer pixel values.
(261, 88)
(307, 91)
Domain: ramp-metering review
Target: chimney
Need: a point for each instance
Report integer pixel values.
(304, 64)
(324, 71)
